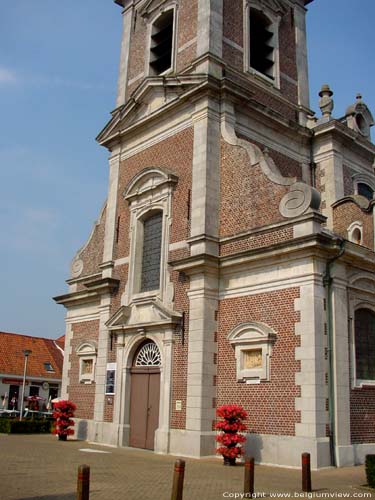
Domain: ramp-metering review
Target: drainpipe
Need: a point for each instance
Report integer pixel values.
(327, 282)
(312, 162)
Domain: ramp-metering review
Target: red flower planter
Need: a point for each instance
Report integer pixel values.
(63, 411)
(229, 439)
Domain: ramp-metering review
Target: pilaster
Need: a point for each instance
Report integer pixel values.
(127, 17)
(301, 56)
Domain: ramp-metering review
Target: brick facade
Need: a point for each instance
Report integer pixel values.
(240, 242)
(267, 401)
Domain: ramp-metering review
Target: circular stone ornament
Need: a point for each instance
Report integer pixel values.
(76, 268)
(298, 200)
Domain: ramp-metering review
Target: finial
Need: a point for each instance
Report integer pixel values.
(359, 97)
(326, 102)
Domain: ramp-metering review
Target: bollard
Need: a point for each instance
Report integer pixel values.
(178, 480)
(83, 482)
(306, 472)
(248, 487)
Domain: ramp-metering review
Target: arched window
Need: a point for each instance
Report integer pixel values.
(364, 328)
(365, 190)
(148, 355)
(151, 254)
(262, 43)
(161, 48)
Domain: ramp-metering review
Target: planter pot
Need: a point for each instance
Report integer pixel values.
(229, 461)
(62, 437)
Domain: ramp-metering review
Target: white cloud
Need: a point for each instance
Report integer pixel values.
(7, 76)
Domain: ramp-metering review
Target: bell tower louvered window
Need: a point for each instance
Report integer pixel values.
(152, 236)
(162, 43)
(365, 344)
(261, 43)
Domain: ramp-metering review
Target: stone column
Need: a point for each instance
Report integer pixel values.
(162, 434)
(203, 293)
(311, 431)
(341, 373)
(127, 17)
(301, 56)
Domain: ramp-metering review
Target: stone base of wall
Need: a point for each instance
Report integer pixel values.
(270, 450)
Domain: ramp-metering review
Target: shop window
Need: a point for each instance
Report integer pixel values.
(161, 47)
(252, 343)
(364, 335)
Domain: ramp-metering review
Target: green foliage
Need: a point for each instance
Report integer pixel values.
(13, 426)
(370, 470)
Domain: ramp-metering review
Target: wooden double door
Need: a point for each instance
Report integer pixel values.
(144, 406)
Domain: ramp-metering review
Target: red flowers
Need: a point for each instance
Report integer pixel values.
(62, 413)
(229, 438)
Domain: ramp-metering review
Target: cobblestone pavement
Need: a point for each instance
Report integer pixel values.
(41, 467)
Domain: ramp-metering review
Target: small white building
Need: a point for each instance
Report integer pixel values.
(43, 369)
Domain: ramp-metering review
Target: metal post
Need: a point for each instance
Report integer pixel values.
(178, 480)
(248, 487)
(83, 482)
(306, 472)
(26, 353)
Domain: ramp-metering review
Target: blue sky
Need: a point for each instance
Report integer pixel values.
(58, 72)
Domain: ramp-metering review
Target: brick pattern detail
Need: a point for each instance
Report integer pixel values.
(82, 393)
(267, 401)
(256, 241)
(362, 415)
(92, 255)
(233, 24)
(348, 212)
(248, 198)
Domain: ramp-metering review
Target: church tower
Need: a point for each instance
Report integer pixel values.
(204, 280)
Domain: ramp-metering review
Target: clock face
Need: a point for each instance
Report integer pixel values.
(45, 386)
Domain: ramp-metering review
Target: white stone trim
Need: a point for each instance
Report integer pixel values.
(124, 57)
(301, 54)
(158, 135)
(149, 190)
(179, 245)
(136, 78)
(187, 45)
(256, 156)
(356, 225)
(252, 336)
(165, 7)
(65, 382)
(86, 351)
(274, 27)
(210, 27)
(122, 261)
(233, 44)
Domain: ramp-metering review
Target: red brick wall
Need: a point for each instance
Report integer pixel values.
(271, 405)
(362, 415)
(82, 394)
(256, 241)
(175, 154)
(248, 198)
(348, 212)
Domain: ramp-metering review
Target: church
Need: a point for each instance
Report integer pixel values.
(233, 260)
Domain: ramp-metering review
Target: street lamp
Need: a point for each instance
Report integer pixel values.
(26, 353)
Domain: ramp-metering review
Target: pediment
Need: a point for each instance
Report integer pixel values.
(143, 313)
(149, 7)
(151, 95)
(278, 7)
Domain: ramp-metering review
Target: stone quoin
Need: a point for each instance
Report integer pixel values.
(233, 260)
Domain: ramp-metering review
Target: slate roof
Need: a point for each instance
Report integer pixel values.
(43, 350)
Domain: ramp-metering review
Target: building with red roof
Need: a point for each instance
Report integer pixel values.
(43, 373)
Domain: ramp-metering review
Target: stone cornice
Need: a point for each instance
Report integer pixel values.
(94, 290)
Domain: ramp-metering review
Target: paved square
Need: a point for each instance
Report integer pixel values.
(41, 467)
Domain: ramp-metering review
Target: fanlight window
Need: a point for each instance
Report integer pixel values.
(148, 355)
